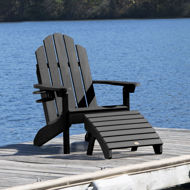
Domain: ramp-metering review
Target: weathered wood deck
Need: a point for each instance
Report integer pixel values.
(24, 163)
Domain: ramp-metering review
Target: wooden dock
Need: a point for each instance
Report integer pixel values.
(24, 163)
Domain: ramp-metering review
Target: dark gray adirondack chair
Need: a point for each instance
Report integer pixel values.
(68, 97)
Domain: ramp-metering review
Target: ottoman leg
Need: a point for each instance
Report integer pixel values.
(157, 148)
(91, 145)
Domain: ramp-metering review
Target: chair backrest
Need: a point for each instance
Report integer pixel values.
(60, 62)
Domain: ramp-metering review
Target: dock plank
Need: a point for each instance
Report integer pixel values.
(24, 163)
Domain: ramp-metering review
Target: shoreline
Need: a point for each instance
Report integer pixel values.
(97, 19)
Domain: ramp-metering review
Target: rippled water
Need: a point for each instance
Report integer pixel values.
(155, 53)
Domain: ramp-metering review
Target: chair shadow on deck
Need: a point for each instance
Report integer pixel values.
(29, 149)
(55, 151)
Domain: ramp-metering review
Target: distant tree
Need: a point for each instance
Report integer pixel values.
(186, 9)
(54, 9)
(8, 9)
(17, 10)
(34, 10)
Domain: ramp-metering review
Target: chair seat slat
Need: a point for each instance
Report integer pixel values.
(123, 127)
(115, 113)
(130, 137)
(129, 144)
(127, 132)
(116, 118)
(119, 122)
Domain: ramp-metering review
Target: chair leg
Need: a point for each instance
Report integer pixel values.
(91, 145)
(134, 148)
(49, 132)
(66, 141)
(107, 153)
(158, 148)
(87, 137)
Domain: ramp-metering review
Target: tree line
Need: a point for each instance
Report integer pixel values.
(31, 10)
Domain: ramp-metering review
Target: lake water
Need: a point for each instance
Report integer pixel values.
(155, 53)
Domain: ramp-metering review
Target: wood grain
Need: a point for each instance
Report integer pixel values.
(24, 163)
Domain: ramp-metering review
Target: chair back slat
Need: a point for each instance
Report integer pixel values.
(86, 76)
(61, 63)
(53, 69)
(43, 78)
(75, 72)
(64, 67)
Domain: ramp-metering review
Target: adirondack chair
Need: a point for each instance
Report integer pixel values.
(68, 97)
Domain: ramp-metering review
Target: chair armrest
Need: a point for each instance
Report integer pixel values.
(50, 88)
(48, 92)
(129, 85)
